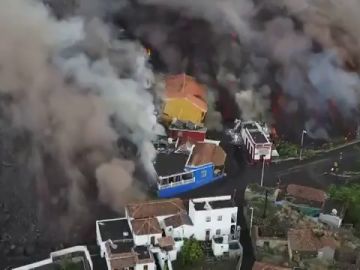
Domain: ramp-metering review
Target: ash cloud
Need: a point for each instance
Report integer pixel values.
(308, 50)
(75, 89)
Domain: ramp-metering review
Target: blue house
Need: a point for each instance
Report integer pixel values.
(182, 172)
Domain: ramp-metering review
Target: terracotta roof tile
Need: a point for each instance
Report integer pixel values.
(205, 153)
(306, 193)
(155, 208)
(146, 226)
(306, 240)
(178, 220)
(184, 86)
(167, 241)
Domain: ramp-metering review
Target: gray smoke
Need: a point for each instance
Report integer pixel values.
(305, 48)
(65, 80)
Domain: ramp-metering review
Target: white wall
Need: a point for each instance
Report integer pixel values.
(145, 240)
(184, 231)
(140, 266)
(201, 225)
(331, 220)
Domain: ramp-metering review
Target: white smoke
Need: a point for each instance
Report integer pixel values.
(66, 80)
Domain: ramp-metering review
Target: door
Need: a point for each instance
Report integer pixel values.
(207, 235)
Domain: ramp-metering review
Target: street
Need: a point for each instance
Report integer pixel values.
(314, 173)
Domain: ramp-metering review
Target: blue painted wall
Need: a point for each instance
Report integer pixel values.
(203, 175)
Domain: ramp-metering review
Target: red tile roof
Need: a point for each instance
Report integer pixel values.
(306, 193)
(146, 226)
(155, 208)
(205, 153)
(184, 86)
(306, 240)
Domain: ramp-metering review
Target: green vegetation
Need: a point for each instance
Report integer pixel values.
(67, 264)
(287, 149)
(191, 252)
(350, 196)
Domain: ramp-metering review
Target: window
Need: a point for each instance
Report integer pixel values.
(218, 232)
(146, 267)
(208, 219)
(203, 173)
(219, 218)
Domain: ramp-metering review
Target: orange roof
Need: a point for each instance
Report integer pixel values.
(306, 193)
(184, 86)
(205, 153)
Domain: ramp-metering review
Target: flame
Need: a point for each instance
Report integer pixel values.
(148, 52)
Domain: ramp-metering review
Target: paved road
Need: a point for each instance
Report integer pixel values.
(312, 173)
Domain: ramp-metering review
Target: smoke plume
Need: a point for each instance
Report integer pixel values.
(306, 51)
(75, 89)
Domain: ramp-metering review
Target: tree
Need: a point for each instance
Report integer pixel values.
(350, 196)
(191, 252)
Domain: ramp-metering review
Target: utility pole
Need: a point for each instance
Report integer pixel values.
(251, 218)
(262, 172)
(265, 204)
(302, 143)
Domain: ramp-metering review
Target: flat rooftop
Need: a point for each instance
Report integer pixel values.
(218, 204)
(115, 230)
(258, 137)
(170, 163)
(142, 252)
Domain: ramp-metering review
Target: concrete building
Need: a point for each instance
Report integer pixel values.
(256, 141)
(185, 100)
(179, 172)
(117, 246)
(265, 237)
(213, 216)
(77, 256)
(307, 244)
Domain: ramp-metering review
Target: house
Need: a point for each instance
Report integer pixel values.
(306, 244)
(213, 216)
(117, 246)
(145, 218)
(185, 100)
(267, 266)
(256, 141)
(78, 256)
(308, 200)
(179, 172)
(222, 245)
(186, 131)
(267, 237)
(332, 213)
(178, 226)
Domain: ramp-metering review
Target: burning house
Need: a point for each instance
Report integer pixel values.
(189, 168)
(185, 131)
(185, 100)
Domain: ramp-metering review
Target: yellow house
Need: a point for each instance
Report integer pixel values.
(185, 99)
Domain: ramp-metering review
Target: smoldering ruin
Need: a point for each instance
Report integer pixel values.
(71, 86)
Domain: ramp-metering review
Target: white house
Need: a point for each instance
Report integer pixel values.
(178, 226)
(256, 140)
(79, 255)
(213, 216)
(146, 231)
(117, 246)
